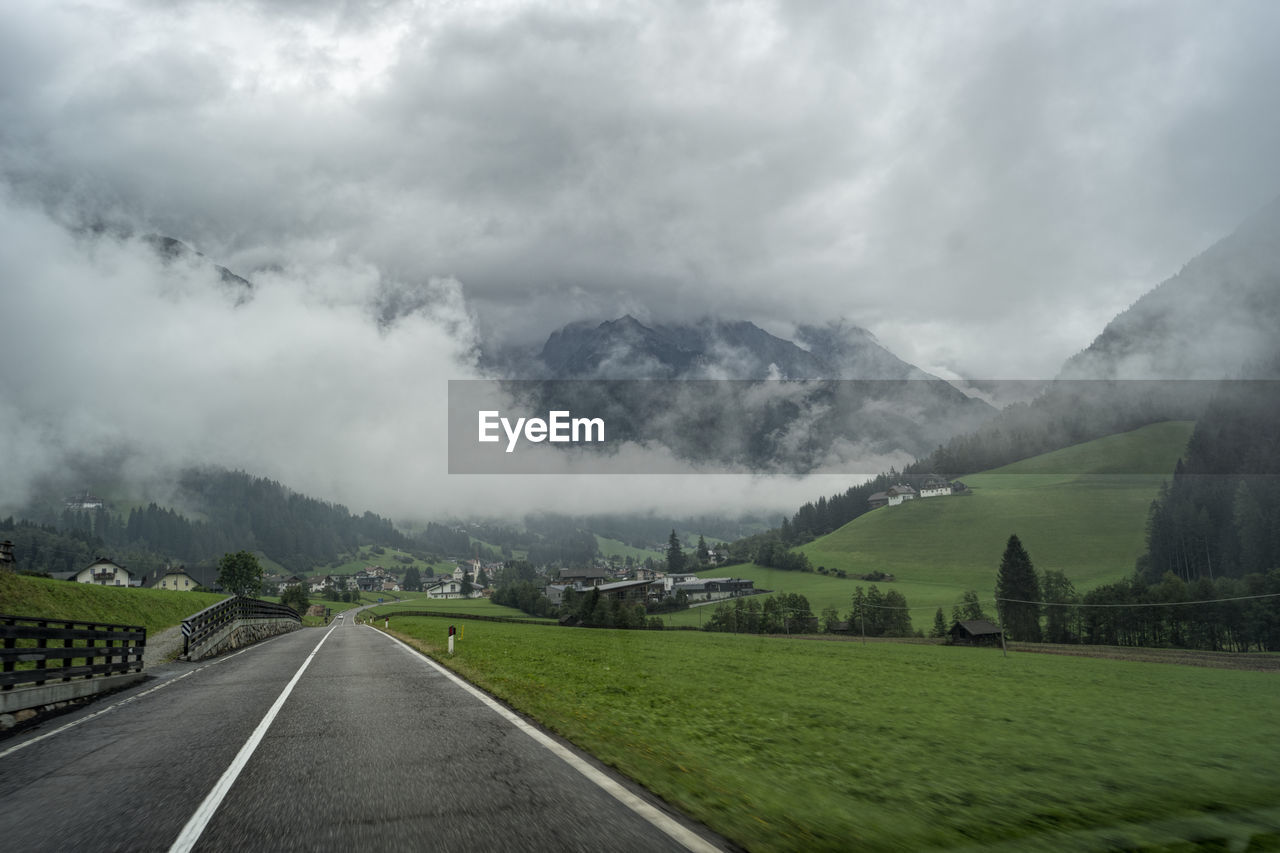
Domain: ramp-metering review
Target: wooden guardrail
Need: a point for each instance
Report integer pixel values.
(54, 646)
(198, 628)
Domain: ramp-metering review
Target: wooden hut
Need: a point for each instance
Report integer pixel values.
(977, 632)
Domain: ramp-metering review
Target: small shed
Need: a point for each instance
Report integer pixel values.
(976, 632)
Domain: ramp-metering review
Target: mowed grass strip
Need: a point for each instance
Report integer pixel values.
(786, 745)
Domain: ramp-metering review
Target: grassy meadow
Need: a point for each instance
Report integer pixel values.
(614, 548)
(1081, 510)
(834, 745)
(154, 609)
(477, 606)
(366, 557)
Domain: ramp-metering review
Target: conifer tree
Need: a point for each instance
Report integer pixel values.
(675, 556)
(1017, 584)
(939, 625)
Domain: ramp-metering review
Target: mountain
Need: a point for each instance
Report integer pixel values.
(625, 348)
(702, 391)
(173, 251)
(1217, 318)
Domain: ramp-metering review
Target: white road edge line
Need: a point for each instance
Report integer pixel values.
(127, 700)
(680, 834)
(195, 826)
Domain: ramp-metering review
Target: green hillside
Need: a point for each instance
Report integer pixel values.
(1081, 510)
(154, 609)
(614, 548)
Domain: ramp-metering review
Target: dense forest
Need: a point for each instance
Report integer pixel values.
(232, 511)
(223, 511)
(1220, 516)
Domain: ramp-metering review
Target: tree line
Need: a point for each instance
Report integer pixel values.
(1222, 614)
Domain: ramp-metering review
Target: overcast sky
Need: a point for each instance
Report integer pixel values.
(982, 185)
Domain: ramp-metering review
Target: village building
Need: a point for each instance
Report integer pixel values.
(628, 591)
(447, 588)
(715, 589)
(582, 577)
(84, 503)
(934, 487)
(292, 580)
(176, 579)
(671, 580)
(893, 496)
(555, 593)
(104, 572)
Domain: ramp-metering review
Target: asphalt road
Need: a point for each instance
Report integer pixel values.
(374, 748)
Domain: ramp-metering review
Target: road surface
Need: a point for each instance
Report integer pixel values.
(322, 739)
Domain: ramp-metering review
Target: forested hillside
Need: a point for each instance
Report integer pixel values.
(225, 511)
(1220, 515)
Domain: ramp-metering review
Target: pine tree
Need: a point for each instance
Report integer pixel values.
(703, 553)
(1016, 586)
(413, 579)
(675, 556)
(939, 625)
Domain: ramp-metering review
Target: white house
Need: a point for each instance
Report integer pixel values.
(898, 494)
(104, 572)
(447, 588)
(672, 579)
(934, 487)
(177, 579)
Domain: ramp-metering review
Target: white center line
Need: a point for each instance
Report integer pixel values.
(195, 826)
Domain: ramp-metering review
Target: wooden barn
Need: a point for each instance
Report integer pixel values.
(978, 632)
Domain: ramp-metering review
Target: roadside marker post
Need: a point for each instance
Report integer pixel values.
(452, 631)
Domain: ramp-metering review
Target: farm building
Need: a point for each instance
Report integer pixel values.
(106, 573)
(977, 632)
(935, 486)
(893, 497)
(176, 579)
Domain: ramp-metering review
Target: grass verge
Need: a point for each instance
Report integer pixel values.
(785, 745)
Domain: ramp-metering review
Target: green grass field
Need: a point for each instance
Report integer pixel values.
(478, 606)
(154, 609)
(1081, 510)
(834, 745)
(614, 548)
(387, 559)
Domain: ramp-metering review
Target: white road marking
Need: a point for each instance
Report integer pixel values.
(195, 826)
(126, 701)
(674, 829)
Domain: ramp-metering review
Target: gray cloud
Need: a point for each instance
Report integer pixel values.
(967, 180)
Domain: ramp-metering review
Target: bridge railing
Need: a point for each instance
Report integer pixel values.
(199, 627)
(37, 651)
